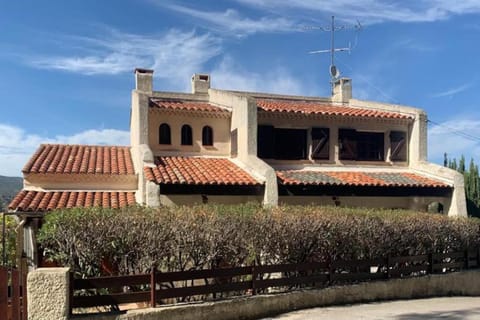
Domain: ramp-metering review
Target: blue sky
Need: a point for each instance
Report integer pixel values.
(67, 67)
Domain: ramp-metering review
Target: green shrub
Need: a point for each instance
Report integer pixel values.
(99, 241)
(10, 240)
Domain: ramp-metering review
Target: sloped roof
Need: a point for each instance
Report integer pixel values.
(320, 108)
(80, 159)
(198, 171)
(355, 178)
(186, 105)
(39, 201)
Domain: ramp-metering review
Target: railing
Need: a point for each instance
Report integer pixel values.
(13, 299)
(158, 287)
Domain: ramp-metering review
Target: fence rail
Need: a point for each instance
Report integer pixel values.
(13, 299)
(157, 286)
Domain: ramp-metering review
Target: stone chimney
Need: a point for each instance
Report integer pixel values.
(342, 90)
(143, 79)
(200, 83)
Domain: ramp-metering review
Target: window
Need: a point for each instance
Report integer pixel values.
(320, 143)
(282, 144)
(398, 146)
(265, 142)
(164, 134)
(186, 135)
(362, 146)
(207, 136)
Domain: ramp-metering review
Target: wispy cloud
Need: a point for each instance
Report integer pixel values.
(16, 145)
(175, 54)
(374, 11)
(452, 91)
(232, 22)
(229, 75)
(456, 137)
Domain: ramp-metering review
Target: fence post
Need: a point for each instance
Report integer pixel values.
(254, 278)
(388, 267)
(71, 290)
(430, 263)
(478, 257)
(153, 286)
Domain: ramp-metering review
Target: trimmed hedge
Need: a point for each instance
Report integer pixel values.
(98, 241)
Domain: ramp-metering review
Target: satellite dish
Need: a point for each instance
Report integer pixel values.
(334, 72)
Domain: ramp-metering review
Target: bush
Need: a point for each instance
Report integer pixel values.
(10, 240)
(128, 241)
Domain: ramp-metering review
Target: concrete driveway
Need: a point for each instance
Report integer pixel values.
(451, 308)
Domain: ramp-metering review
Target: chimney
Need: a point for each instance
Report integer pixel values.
(342, 90)
(143, 79)
(200, 83)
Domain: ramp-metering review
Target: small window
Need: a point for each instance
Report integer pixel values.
(320, 143)
(207, 136)
(187, 135)
(398, 146)
(266, 142)
(164, 134)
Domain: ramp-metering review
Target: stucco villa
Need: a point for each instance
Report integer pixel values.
(222, 146)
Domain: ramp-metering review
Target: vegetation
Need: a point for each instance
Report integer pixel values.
(99, 241)
(472, 182)
(10, 237)
(9, 186)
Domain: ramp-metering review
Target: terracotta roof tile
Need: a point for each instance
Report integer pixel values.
(71, 159)
(185, 105)
(198, 171)
(40, 201)
(304, 107)
(355, 178)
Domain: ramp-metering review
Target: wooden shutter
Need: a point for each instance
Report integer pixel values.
(320, 143)
(265, 142)
(348, 144)
(398, 146)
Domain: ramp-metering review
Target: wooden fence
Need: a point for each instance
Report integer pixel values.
(160, 287)
(13, 298)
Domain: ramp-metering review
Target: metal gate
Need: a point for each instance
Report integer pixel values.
(13, 294)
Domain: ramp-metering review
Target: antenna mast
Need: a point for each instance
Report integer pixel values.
(334, 71)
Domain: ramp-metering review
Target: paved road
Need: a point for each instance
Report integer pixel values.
(452, 308)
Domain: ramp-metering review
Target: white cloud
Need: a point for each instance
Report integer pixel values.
(455, 137)
(228, 75)
(17, 146)
(175, 55)
(230, 21)
(452, 91)
(374, 11)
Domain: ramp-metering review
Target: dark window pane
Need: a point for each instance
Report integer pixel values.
(207, 136)
(187, 139)
(265, 142)
(363, 146)
(164, 134)
(320, 143)
(290, 144)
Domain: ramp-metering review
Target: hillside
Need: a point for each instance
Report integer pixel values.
(9, 186)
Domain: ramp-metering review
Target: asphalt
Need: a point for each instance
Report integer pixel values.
(450, 308)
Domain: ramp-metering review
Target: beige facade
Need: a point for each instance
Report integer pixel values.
(236, 137)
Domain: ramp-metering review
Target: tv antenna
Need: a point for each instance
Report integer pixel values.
(333, 69)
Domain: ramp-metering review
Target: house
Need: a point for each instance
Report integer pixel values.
(222, 146)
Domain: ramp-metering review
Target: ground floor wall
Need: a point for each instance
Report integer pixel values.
(412, 203)
(193, 199)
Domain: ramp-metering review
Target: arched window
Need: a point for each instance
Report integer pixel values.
(164, 134)
(186, 135)
(207, 136)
